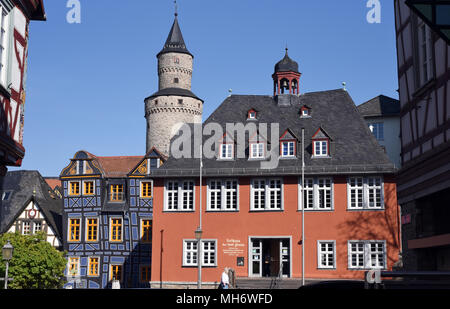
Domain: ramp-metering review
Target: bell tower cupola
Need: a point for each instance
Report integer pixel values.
(286, 79)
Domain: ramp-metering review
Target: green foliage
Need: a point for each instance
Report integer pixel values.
(35, 265)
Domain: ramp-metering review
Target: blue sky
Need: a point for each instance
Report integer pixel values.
(87, 82)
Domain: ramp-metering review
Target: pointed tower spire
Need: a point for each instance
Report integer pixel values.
(175, 42)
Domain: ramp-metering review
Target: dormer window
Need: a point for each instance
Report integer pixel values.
(305, 112)
(287, 149)
(251, 115)
(320, 148)
(288, 144)
(226, 148)
(321, 144)
(257, 150)
(226, 151)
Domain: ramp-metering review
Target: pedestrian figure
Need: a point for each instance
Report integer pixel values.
(225, 279)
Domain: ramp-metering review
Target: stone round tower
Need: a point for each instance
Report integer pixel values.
(174, 103)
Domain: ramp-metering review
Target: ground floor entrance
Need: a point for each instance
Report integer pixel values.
(269, 257)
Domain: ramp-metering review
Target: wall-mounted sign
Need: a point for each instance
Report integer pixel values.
(233, 247)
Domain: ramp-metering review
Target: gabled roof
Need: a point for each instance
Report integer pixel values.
(117, 167)
(355, 149)
(24, 187)
(142, 168)
(108, 167)
(380, 106)
(175, 42)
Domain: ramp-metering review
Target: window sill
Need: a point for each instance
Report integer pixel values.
(366, 209)
(196, 266)
(266, 210)
(222, 210)
(288, 157)
(317, 210)
(178, 211)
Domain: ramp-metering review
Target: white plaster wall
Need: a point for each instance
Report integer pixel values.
(391, 141)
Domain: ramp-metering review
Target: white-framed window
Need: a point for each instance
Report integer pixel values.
(424, 53)
(4, 44)
(377, 130)
(208, 252)
(226, 151)
(37, 227)
(356, 193)
(287, 149)
(26, 228)
(365, 193)
(171, 195)
(179, 195)
(251, 114)
(366, 254)
(222, 195)
(317, 194)
(266, 194)
(257, 150)
(305, 112)
(320, 148)
(326, 254)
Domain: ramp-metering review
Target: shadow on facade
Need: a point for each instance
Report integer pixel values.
(381, 225)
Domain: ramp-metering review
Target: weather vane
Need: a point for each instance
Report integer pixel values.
(176, 7)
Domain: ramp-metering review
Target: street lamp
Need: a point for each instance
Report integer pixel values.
(198, 237)
(7, 254)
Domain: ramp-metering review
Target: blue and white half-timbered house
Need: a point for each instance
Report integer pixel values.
(107, 219)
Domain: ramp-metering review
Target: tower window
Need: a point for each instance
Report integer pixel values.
(176, 80)
(180, 101)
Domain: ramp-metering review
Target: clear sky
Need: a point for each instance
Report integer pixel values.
(87, 82)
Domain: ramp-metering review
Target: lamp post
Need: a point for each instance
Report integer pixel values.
(7, 253)
(303, 207)
(199, 231)
(198, 237)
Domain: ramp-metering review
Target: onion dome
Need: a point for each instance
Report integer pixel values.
(286, 65)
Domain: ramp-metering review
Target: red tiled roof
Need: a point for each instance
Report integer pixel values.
(118, 166)
(53, 182)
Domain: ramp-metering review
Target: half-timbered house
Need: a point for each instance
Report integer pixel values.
(15, 17)
(107, 219)
(424, 88)
(29, 205)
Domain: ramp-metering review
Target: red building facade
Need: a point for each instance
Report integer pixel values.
(251, 210)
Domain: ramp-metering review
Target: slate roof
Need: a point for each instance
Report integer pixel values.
(21, 185)
(354, 149)
(175, 42)
(174, 91)
(380, 106)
